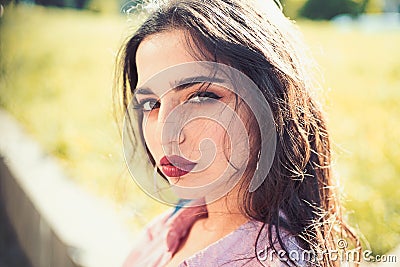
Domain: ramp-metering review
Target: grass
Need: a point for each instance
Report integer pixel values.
(56, 79)
(362, 74)
(56, 71)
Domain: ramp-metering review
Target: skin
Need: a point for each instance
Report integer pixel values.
(154, 54)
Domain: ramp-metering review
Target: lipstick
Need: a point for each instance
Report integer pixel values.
(175, 166)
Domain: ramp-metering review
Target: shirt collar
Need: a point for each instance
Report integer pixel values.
(180, 223)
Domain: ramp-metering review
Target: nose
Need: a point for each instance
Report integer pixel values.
(170, 127)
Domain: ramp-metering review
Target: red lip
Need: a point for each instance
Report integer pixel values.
(175, 166)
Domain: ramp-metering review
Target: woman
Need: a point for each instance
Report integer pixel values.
(225, 110)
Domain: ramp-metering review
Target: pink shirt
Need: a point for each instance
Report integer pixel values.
(163, 235)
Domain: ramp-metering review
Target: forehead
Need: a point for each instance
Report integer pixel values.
(160, 51)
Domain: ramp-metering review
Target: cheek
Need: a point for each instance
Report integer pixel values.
(148, 127)
(213, 134)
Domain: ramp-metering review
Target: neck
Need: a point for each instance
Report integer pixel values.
(225, 214)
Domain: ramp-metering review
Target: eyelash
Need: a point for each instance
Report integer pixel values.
(141, 104)
(202, 97)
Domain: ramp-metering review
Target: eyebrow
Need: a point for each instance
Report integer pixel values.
(183, 84)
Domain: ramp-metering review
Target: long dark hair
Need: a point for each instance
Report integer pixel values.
(263, 44)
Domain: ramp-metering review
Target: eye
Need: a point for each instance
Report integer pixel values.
(201, 97)
(148, 104)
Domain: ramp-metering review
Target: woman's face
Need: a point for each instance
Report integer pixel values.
(200, 154)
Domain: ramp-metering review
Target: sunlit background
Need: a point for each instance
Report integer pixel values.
(56, 75)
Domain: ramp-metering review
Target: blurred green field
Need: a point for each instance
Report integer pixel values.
(56, 70)
(362, 83)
